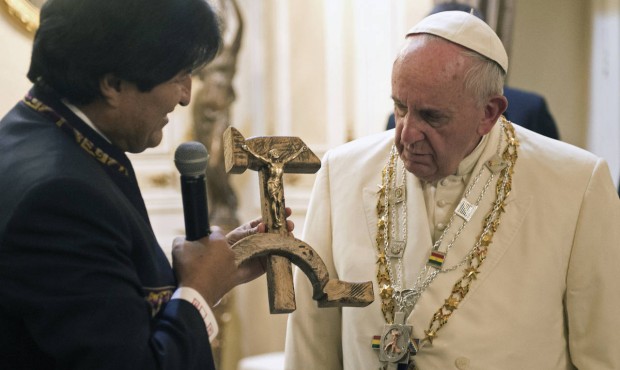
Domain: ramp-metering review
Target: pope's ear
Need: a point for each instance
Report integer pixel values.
(110, 87)
(493, 109)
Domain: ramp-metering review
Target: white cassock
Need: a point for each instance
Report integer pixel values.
(547, 296)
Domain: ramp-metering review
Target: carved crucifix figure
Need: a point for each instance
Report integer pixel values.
(272, 157)
(275, 162)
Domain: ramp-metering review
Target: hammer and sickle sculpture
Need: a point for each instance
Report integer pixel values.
(272, 156)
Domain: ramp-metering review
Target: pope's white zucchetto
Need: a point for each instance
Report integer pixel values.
(466, 30)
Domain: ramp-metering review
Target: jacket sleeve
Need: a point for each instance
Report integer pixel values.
(68, 272)
(313, 336)
(543, 122)
(592, 295)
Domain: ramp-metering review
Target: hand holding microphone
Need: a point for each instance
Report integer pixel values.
(207, 265)
(204, 265)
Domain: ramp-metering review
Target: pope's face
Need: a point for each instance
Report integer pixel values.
(143, 115)
(438, 123)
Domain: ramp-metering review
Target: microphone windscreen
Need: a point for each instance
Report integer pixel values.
(191, 159)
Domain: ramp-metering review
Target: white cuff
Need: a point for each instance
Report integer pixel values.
(193, 297)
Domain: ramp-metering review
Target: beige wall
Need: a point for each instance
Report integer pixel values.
(15, 45)
(604, 117)
(550, 55)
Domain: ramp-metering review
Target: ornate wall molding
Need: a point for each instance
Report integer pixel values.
(25, 12)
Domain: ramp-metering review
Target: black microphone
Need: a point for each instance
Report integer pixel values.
(191, 159)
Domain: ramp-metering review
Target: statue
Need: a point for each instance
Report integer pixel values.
(211, 115)
(211, 112)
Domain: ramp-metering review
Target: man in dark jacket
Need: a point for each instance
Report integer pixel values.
(83, 281)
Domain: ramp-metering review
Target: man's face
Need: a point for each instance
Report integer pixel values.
(143, 115)
(438, 123)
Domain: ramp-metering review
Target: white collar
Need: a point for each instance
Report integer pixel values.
(84, 118)
(467, 164)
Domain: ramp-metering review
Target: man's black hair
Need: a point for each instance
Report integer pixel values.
(145, 42)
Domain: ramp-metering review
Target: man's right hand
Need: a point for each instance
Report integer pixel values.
(206, 265)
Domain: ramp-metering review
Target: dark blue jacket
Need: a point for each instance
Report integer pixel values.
(83, 281)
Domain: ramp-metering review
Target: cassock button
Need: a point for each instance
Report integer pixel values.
(442, 203)
(440, 226)
(462, 363)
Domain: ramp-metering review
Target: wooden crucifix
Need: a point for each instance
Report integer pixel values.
(272, 156)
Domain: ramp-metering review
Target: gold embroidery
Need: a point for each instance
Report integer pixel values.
(158, 297)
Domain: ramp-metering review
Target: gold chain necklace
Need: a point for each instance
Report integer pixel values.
(473, 260)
